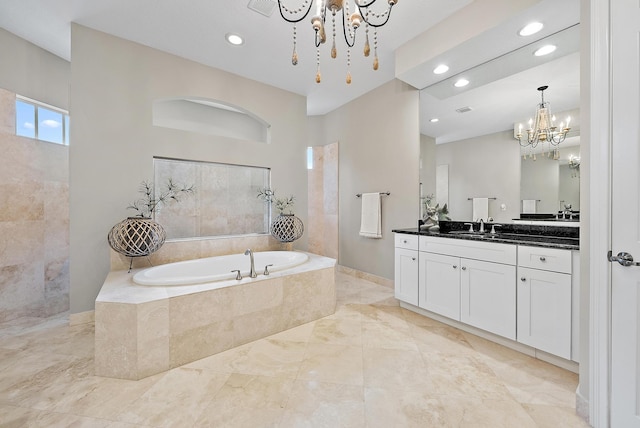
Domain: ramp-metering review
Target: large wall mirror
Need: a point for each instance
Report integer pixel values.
(470, 130)
(224, 202)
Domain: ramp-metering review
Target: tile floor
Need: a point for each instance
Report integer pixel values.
(372, 364)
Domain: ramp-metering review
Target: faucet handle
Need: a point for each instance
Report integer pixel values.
(493, 228)
(266, 269)
(238, 276)
(470, 226)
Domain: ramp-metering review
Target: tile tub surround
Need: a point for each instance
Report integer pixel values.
(141, 331)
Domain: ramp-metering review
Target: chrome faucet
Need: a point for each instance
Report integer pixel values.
(481, 230)
(253, 273)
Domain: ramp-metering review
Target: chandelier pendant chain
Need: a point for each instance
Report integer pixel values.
(372, 13)
(294, 56)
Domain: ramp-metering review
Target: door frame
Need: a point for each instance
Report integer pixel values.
(599, 116)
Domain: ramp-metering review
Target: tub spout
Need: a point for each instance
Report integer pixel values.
(253, 273)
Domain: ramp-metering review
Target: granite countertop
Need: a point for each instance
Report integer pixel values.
(566, 238)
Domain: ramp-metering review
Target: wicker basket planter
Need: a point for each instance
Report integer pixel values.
(287, 228)
(136, 237)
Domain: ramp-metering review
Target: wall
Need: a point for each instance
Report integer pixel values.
(34, 218)
(113, 87)
(540, 180)
(485, 166)
(323, 201)
(379, 154)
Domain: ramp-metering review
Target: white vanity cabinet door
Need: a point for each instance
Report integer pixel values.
(488, 296)
(406, 275)
(440, 284)
(544, 310)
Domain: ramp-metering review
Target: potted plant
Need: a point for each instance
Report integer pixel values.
(286, 227)
(140, 235)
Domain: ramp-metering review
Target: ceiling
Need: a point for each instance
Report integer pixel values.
(500, 93)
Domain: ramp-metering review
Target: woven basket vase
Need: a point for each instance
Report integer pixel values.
(287, 228)
(136, 237)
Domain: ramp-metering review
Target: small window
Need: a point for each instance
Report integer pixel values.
(41, 122)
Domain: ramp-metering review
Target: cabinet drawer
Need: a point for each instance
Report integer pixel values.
(487, 251)
(404, 240)
(550, 259)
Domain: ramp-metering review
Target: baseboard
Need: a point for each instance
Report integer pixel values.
(385, 282)
(82, 318)
(582, 405)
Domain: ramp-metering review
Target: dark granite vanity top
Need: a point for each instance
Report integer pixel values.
(567, 238)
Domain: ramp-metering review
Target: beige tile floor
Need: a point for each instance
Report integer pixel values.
(372, 364)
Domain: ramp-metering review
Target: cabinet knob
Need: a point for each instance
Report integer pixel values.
(404, 241)
(543, 259)
(455, 266)
(523, 279)
(464, 268)
(413, 258)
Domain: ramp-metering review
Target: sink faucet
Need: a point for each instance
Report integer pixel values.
(481, 230)
(253, 273)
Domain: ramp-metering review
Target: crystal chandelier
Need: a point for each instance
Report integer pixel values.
(352, 17)
(544, 128)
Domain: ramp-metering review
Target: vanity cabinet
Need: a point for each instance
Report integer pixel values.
(544, 299)
(406, 268)
(468, 281)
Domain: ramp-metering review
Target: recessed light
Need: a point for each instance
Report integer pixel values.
(434, 120)
(460, 83)
(545, 50)
(440, 69)
(531, 28)
(234, 39)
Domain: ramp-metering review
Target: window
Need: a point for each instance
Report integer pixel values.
(41, 121)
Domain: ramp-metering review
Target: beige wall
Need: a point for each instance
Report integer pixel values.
(485, 166)
(379, 142)
(114, 84)
(427, 167)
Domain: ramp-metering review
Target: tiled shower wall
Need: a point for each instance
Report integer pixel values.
(322, 224)
(34, 222)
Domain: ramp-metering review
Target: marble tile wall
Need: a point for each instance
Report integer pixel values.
(34, 222)
(323, 201)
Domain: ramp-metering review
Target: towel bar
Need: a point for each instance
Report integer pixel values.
(359, 195)
(470, 199)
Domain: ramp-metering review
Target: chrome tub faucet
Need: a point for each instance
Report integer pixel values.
(253, 273)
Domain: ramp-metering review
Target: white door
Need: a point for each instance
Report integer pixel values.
(439, 277)
(625, 224)
(406, 276)
(488, 296)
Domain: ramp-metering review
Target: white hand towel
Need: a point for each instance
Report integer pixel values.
(370, 220)
(528, 206)
(480, 209)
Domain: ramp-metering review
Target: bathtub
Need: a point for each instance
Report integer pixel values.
(218, 268)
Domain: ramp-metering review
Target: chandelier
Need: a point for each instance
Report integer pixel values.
(352, 17)
(544, 129)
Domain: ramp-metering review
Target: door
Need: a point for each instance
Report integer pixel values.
(440, 284)
(625, 218)
(406, 276)
(544, 310)
(488, 296)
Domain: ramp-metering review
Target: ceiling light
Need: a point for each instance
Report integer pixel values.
(545, 50)
(544, 128)
(434, 120)
(461, 83)
(530, 29)
(354, 13)
(440, 69)
(234, 39)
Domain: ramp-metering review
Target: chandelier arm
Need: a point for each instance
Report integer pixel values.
(365, 4)
(293, 21)
(344, 31)
(372, 24)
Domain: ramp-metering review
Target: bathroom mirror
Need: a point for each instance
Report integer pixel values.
(471, 129)
(224, 202)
